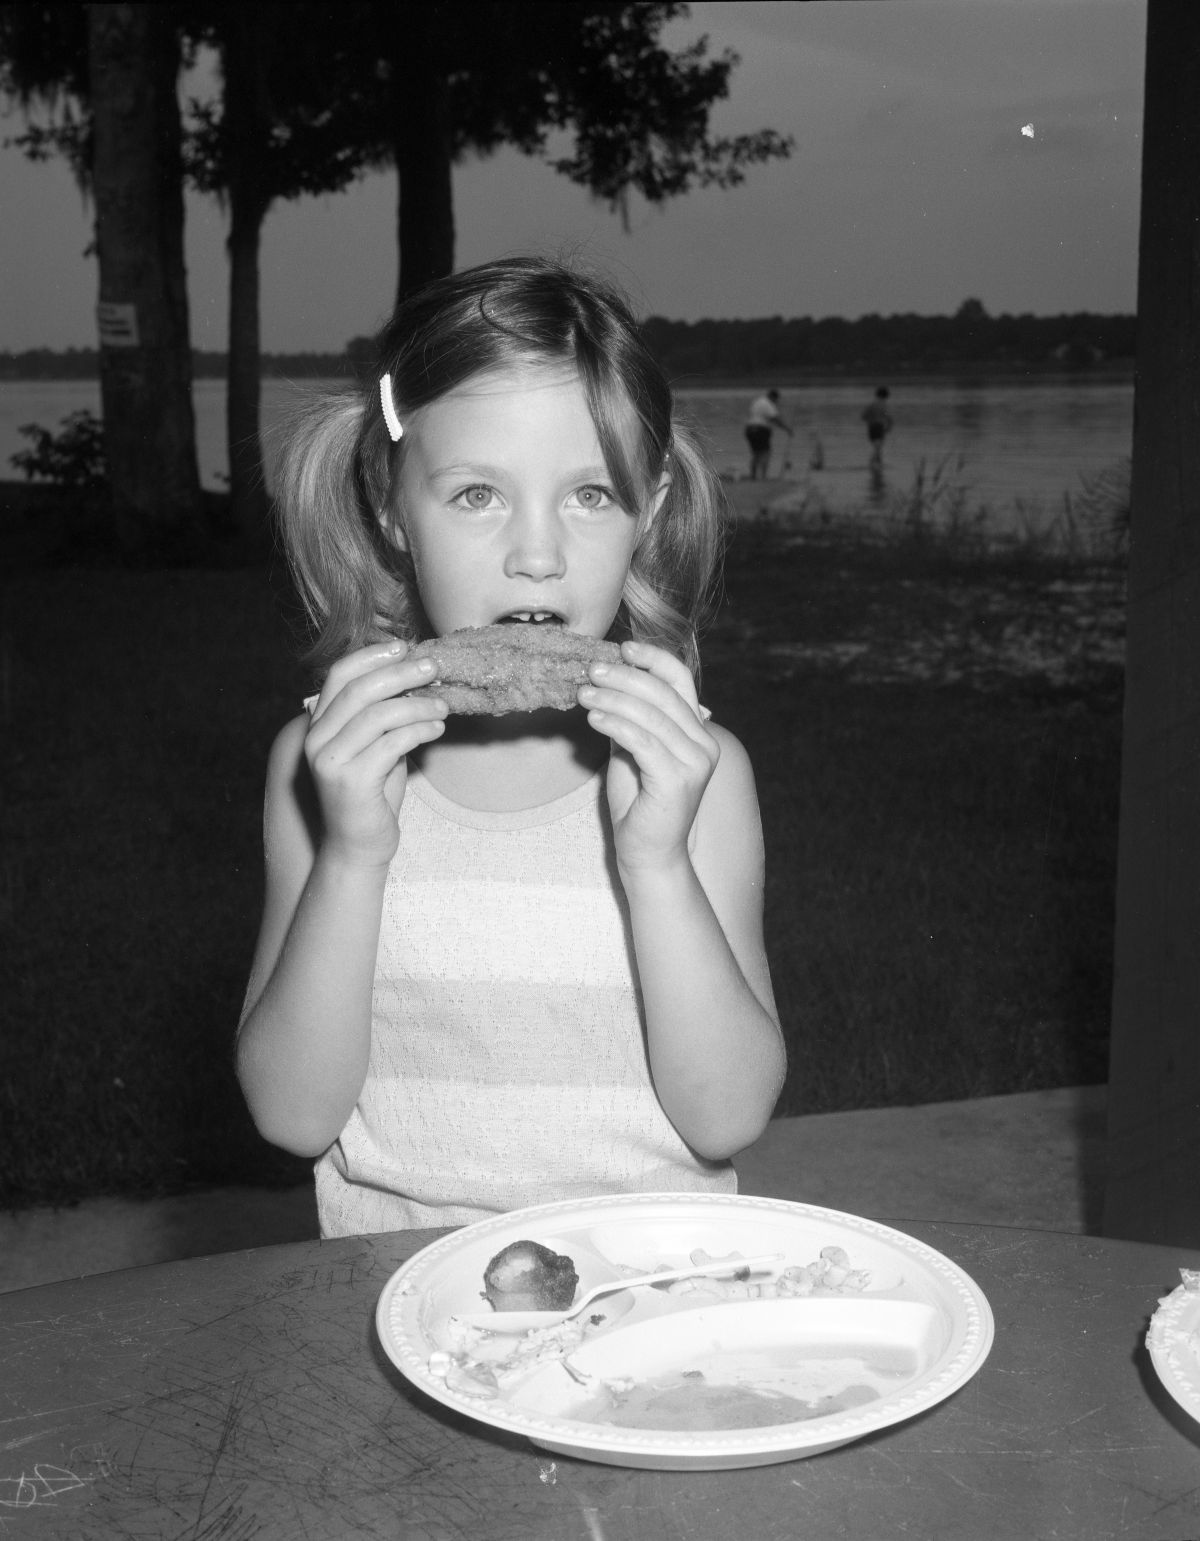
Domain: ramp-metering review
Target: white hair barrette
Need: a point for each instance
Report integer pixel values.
(395, 427)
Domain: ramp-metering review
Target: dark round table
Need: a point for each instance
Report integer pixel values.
(246, 1395)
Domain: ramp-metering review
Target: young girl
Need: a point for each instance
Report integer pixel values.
(506, 960)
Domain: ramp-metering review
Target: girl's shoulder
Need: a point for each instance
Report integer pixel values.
(733, 752)
(287, 749)
(731, 787)
(291, 814)
(727, 838)
(290, 738)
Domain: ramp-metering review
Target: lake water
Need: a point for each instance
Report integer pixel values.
(1005, 441)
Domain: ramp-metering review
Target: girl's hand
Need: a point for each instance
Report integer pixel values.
(663, 755)
(362, 728)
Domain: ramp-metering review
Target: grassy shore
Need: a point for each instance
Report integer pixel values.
(936, 737)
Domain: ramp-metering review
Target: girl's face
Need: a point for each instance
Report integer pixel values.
(508, 509)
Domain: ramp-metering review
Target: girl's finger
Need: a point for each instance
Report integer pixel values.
(376, 767)
(361, 661)
(644, 774)
(340, 742)
(664, 666)
(639, 684)
(379, 679)
(633, 720)
(382, 757)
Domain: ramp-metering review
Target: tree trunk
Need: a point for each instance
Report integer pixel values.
(248, 121)
(421, 127)
(1154, 1073)
(249, 505)
(145, 348)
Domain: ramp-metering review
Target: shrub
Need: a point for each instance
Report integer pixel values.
(72, 458)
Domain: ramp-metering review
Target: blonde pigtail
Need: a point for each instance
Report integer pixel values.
(349, 574)
(670, 592)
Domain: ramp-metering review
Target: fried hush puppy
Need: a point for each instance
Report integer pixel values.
(525, 1276)
(519, 667)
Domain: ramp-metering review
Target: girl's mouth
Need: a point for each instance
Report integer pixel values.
(531, 618)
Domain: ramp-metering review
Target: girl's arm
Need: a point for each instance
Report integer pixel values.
(305, 1033)
(690, 855)
(716, 1050)
(334, 787)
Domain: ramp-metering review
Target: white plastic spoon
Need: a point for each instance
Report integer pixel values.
(527, 1321)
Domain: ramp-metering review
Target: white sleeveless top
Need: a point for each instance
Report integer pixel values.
(508, 1059)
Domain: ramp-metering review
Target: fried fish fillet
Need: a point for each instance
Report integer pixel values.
(520, 667)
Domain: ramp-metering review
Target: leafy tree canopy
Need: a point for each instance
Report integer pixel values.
(44, 61)
(639, 110)
(320, 76)
(290, 120)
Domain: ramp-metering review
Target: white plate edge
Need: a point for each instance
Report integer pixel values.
(1165, 1336)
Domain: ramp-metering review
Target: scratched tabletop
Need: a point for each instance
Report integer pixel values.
(246, 1395)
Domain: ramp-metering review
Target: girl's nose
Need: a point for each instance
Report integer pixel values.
(535, 549)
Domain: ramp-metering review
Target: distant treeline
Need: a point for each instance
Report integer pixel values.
(774, 348)
(769, 347)
(84, 364)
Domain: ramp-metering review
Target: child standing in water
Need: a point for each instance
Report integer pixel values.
(506, 960)
(879, 424)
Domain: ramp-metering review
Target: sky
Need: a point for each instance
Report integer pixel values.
(944, 149)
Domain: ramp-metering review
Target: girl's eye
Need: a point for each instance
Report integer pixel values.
(475, 497)
(594, 497)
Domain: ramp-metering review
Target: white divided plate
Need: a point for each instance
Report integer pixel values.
(768, 1379)
(1174, 1341)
